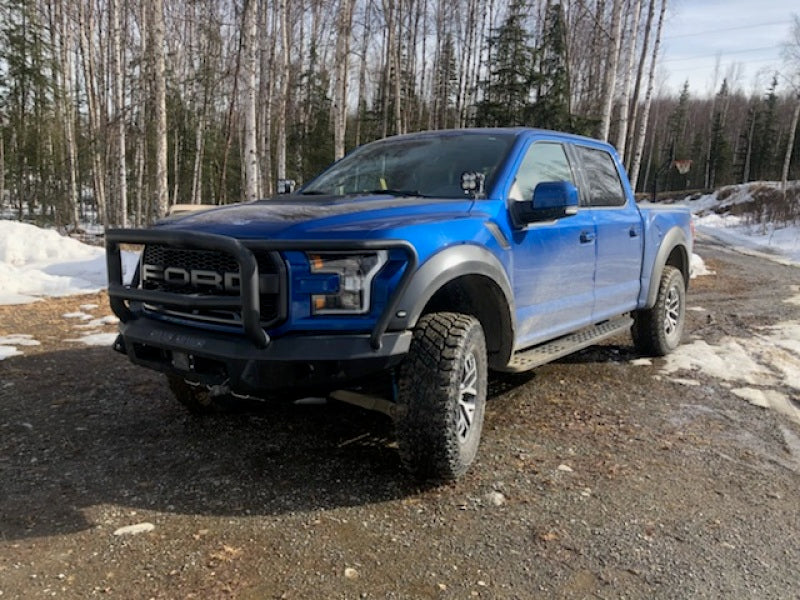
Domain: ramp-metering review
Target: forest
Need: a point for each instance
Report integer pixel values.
(113, 110)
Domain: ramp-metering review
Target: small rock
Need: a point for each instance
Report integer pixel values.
(443, 587)
(135, 529)
(586, 492)
(774, 495)
(565, 468)
(350, 573)
(495, 498)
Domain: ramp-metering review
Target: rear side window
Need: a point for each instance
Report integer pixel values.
(544, 161)
(605, 186)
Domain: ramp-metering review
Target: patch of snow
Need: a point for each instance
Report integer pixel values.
(95, 339)
(9, 343)
(769, 358)
(729, 360)
(77, 315)
(36, 262)
(8, 351)
(642, 362)
(794, 299)
(698, 267)
(697, 309)
(89, 306)
(771, 399)
(95, 323)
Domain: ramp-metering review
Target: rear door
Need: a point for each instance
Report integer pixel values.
(554, 261)
(619, 233)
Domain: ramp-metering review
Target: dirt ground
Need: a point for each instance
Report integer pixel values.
(596, 478)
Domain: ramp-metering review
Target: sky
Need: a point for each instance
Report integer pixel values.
(746, 36)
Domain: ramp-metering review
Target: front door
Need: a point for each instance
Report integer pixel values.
(554, 261)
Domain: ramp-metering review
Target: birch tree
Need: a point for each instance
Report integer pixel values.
(640, 138)
(612, 62)
(791, 53)
(252, 176)
(159, 90)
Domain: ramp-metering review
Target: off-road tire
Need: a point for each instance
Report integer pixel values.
(196, 399)
(442, 396)
(657, 331)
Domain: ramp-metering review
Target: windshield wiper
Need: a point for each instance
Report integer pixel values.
(314, 193)
(391, 192)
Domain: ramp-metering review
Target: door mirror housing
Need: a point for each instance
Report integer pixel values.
(551, 200)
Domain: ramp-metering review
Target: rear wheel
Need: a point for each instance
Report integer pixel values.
(442, 396)
(657, 331)
(196, 398)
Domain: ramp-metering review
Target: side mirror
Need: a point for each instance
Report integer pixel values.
(551, 200)
(286, 186)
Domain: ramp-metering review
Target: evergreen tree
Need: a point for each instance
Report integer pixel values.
(507, 91)
(676, 142)
(551, 109)
(763, 159)
(719, 156)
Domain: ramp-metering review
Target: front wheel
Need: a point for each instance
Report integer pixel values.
(442, 396)
(657, 331)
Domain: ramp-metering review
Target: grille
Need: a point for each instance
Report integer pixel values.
(270, 279)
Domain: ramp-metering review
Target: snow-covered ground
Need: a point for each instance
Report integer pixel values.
(777, 242)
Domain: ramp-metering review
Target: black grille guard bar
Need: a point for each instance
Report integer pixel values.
(248, 299)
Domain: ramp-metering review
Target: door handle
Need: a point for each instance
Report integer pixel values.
(633, 232)
(587, 237)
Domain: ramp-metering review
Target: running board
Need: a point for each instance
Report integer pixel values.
(525, 360)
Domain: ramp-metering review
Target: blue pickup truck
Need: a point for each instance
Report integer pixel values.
(401, 275)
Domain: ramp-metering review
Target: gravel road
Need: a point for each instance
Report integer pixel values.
(599, 476)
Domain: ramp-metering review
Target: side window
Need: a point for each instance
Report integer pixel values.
(544, 161)
(605, 186)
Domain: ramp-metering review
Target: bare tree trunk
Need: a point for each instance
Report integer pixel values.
(362, 75)
(787, 159)
(2, 170)
(92, 101)
(159, 86)
(637, 156)
(267, 86)
(634, 102)
(119, 113)
(283, 91)
(622, 131)
(339, 104)
(66, 75)
(249, 90)
(610, 80)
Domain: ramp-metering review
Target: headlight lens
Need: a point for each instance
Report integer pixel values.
(355, 273)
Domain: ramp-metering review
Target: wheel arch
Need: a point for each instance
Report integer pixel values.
(674, 252)
(467, 279)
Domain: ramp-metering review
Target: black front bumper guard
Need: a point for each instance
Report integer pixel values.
(248, 301)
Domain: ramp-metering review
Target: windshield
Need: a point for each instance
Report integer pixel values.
(429, 165)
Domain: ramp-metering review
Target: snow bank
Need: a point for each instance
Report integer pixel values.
(36, 262)
(774, 241)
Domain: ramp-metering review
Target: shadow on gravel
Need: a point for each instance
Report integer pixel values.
(80, 428)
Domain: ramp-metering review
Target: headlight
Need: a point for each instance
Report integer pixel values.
(355, 273)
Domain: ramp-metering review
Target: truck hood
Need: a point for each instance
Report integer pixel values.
(298, 217)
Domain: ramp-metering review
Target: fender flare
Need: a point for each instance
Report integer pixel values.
(446, 266)
(675, 238)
